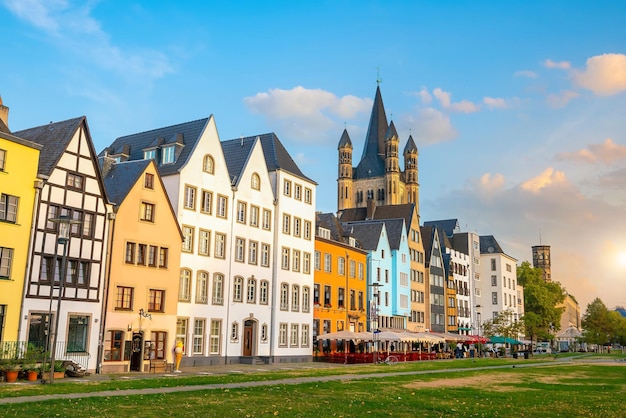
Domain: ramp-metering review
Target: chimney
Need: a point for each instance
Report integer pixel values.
(106, 163)
(371, 208)
(4, 113)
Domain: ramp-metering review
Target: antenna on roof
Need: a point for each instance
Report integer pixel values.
(242, 140)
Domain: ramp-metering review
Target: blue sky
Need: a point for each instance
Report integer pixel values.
(517, 108)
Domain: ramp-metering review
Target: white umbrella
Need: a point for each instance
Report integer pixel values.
(339, 335)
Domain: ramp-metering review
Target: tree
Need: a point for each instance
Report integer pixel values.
(603, 326)
(504, 325)
(541, 315)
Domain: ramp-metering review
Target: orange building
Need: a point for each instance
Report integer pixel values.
(340, 289)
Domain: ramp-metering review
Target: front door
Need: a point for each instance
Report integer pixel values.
(248, 337)
(135, 355)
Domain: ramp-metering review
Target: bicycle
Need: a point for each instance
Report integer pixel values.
(389, 360)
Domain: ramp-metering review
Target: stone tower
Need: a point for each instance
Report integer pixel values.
(377, 179)
(541, 259)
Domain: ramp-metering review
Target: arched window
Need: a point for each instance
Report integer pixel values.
(208, 165)
(218, 289)
(202, 287)
(255, 182)
(251, 290)
(184, 290)
(238, 289)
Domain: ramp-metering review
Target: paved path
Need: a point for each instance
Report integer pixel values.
(230, 369)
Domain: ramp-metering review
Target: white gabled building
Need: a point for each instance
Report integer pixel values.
(72, 187)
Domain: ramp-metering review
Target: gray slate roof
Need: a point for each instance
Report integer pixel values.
(55, 138)
(276, 156)
(186, 134)
(330, 222)
(367, 233)
(122, 177)
(236, 153)
(410, 146)
(404, 211)
(345, 141)
(489, 245)
(372, 162)
(449, 226)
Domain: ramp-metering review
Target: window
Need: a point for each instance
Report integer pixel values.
(255, 182)
(53, 212)
(508, 267)
(304, 337)
(184, 289)
(263, 292)
(8, 208)
(147, 212)
(282, 335)
(328, 259)
(148, 181)
(113, 345)
(306, 263)
(295, 297)
(317, 261)
(77, 334)
(361, 305)
(130, 253)
(308, 195)
(285, 258)
(287, 188)
(163, 254)
(3, 159)
(234, 332)
(214, 339)
(297, 192)
(208, 165)
(341, 266)
(207, 202)
(294, 335)
(341, 298)
(251, 291)
(202, 287)
(204, 242)
(88, 225)
(352, 300)
(181, 330)
(156, 300)
(74, 181)
(352, 269)
(220, 245)
(240, 249)
(218, 289)
(159, 339)
(327, 297)
(149, 154)
(494, 280)
(198, 336)
(267, 219)
(306, 299)
(286, 224)
(296, 226)
(6, 257)
(296, 260)
(238, 289)
(187, 239)
(222, 206)
(284, 296)
(167, 155)
(124, 298)
(307, 230)
(241, 212)
(190, 198)
(265, 255)
(493, 264)
(494, 298)
(264, 333)
(254, 216)
(252, 252)
(152, 255)
(316, 294)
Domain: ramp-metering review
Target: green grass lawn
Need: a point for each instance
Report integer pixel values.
(572, 389)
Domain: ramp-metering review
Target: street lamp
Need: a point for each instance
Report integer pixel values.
(64, 223)
(374, 317)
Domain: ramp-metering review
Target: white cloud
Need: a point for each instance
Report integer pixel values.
(561, 99)
(464, 106)
(429, 126)
(305, 113)
(425, 97)
(604, 75)
(495, 102)
(489, 183)
(548, 177)
(525, 73)
(606, 152)
(562, 65)
(38, 13)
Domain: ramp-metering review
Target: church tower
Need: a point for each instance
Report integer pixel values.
(411, 188)
(392, 167)
(345, 197)
(541, 259)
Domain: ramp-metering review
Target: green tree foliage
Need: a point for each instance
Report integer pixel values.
(603, 326)
(503, 325)
(542, 317)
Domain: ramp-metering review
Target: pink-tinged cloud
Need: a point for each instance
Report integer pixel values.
(549, 177)
(445, 100)
(495, 103)
(561, 65)
(607, 152)
(425, 97)
(429, 126)
(562, 99)
(604, 75)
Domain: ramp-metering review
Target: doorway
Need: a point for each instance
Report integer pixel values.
(135, 354)
(249, 328)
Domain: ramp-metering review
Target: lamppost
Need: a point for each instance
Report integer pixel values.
(480, 352)
(374, 317)
(63, 236)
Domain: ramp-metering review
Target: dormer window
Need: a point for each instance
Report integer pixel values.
(323, 232)
(167, 155)
(208, 165)
(149, 154)
(255, 182)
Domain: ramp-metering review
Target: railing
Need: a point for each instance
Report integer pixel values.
(24, 352)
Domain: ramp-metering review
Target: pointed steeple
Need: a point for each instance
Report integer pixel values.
(345, 140)
(391, 132)
(375, 139)
(410, 146)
